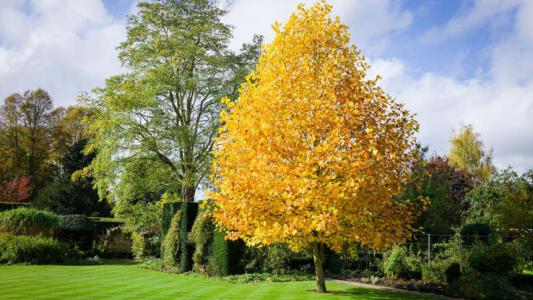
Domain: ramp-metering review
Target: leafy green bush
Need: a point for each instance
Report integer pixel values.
(201, 236)
(445, 254)
(29, 221)
(275, 259)
(496, 258)
(64, 196)
(398, 264)
(143, 222)
(268, 277)
(471, 233)
(76, 223)
(453, 272)
(171, 244)
(30, 249)
(77, 229)
(278, 258)
(137, 246)
(144, 245)
(477, 286)
(487, 271)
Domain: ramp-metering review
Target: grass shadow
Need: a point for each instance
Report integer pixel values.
(105, 262)
(362, 293)
(118, 261)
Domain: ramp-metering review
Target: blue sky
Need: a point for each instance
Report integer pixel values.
(451, 62)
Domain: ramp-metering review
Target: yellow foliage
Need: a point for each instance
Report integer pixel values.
(312, 151)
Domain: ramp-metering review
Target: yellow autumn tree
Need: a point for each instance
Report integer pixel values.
(467, 153)
(312, 153)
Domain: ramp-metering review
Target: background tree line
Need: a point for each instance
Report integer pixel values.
(40, 150)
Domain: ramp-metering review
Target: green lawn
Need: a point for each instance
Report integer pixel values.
(123, 281)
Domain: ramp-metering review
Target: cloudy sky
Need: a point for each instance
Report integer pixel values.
(451, 62)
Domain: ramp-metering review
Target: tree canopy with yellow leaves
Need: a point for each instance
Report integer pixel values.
(313, 153)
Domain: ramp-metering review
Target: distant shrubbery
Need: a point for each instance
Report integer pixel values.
(269, 277)
(29, 221)
(398, 264)
(79, 230)
(487, 274)
(143, 222)
(30, 249)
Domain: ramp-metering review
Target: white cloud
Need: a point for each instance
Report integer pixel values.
(500, 108)
(513, 56)
(64, 47)
(370, 21)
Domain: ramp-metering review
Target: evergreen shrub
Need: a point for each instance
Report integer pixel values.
(30, 249)
(29, 221)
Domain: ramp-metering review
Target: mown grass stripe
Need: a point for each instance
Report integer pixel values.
(130, 282)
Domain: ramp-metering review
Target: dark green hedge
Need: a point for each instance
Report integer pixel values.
(188, 211)
(169, 210)
(225, 256)
(31, 249)
(77, 229)
(471, 233)
(29, 221)
(201, 237)
(77, 223)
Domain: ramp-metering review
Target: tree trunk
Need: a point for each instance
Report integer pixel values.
(319, 268)
(188, 194)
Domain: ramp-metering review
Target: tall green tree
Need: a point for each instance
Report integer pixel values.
(66, 195)
(25, 125)
(161, 116)
(505, 202)
(36, 111)
(445, 187)
(11, 151)
(467, 153)
(68, 129)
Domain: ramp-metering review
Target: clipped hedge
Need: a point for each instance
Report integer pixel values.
(169, 210)
(470, 233)
(79, 223)
(77, 229)
(29, 221)
(30, 249)
(225, 256)
(201, 236)
(188, 212)
(171, 243)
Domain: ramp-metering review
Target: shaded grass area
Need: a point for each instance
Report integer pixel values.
(126, 281)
